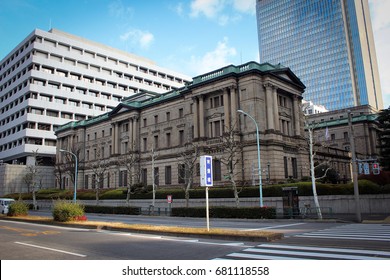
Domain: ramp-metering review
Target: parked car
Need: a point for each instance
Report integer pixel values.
(4, 204)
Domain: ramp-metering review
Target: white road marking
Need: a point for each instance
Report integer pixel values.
(280, 226)
(51, 249)
(137, 235)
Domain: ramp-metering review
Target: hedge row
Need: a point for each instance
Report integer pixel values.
(226, 212)
(112, 210)
(304, 189)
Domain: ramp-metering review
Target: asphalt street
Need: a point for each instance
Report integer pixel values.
(303, 240)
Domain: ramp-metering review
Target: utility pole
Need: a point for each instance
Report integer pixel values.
(354, 169)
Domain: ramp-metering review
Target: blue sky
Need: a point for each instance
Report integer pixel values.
(189, 36)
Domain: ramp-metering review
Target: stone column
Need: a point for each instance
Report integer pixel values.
(201, 117)
(269, 106)
(116, 137)
(226, 108)
(135, 133)
(130, 134)
(297, 124)
(196, 118)
(276, 107)
(233, 106)
(113, 141)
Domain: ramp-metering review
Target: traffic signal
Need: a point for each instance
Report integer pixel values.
(375, 168)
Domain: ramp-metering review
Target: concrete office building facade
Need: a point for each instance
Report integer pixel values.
(53, 77)
(198, 114)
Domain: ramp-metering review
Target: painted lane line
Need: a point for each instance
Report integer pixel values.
(272, 227)
(49, 226)
(323, 249)
(51, 249)
(136, 235)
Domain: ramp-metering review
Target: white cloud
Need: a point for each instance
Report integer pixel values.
(245, 6)
(222, 11)
(179, 9)
(138, 37)
(209, 8)
(221, 56)
(119, 10)
(381, 28)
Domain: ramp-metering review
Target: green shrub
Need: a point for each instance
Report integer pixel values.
(124, 210)
(226, 212)
(18, 208)
(65, 211)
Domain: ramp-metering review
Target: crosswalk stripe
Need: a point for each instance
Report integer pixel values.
(312, 248)
(355, 232)
(293, 252)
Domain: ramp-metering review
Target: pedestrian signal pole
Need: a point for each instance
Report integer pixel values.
(206, 180)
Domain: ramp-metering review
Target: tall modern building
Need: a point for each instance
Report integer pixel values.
(328, 44)
(53, 77)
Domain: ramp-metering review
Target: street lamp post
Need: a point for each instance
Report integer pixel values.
(258, 155)
(75, 173)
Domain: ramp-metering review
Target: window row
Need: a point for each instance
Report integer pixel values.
(28, 140)
(121, 178)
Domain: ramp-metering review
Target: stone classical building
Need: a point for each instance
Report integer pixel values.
(332, 130)
(157, 131)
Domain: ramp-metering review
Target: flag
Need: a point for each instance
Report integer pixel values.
(327, 137)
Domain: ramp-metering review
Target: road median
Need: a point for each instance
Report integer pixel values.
(213, 233)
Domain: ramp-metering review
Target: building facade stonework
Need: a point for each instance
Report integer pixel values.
(159, 130)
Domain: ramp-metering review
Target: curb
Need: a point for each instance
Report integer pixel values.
(218, 236)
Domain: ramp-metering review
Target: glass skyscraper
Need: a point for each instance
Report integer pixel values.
(328, 44)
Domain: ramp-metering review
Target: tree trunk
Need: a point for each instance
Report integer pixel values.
(313, 178)
(34, 199)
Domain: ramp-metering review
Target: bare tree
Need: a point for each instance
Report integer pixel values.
(130, 161)
(313, 148)
(231, 158)
(99, 167)
(32, 177)
(188, 162)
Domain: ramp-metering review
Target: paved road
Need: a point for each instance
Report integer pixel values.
(30, 241)
(303, 240)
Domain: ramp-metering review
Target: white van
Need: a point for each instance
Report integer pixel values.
(4, 204)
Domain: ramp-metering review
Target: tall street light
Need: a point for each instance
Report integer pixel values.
(258, 155)
(75, 173)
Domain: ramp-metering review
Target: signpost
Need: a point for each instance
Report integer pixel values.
(206, 180)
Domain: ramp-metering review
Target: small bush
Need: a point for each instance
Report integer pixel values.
(65, 211)
(18, 208)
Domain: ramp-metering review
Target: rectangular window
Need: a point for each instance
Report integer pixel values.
(144, 176)
(181, 173)
(168, 140)
(181, 137)
(145, 144)
(294, 165)
(285, 167)
(168, 175)
(217, 173)
(156, 141)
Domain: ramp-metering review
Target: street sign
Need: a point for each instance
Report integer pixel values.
(169, 198)
(361, 167)
(366, 167)
(206, 171)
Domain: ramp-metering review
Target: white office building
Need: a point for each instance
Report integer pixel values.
(53, 77)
